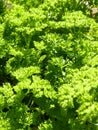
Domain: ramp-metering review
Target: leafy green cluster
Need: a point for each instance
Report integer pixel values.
(48, 66)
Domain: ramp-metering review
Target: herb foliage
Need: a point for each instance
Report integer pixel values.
(48, 65)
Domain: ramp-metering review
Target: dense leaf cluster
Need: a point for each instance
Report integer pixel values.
(48, 65)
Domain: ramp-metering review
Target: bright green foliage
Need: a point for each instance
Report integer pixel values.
(48, 65)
